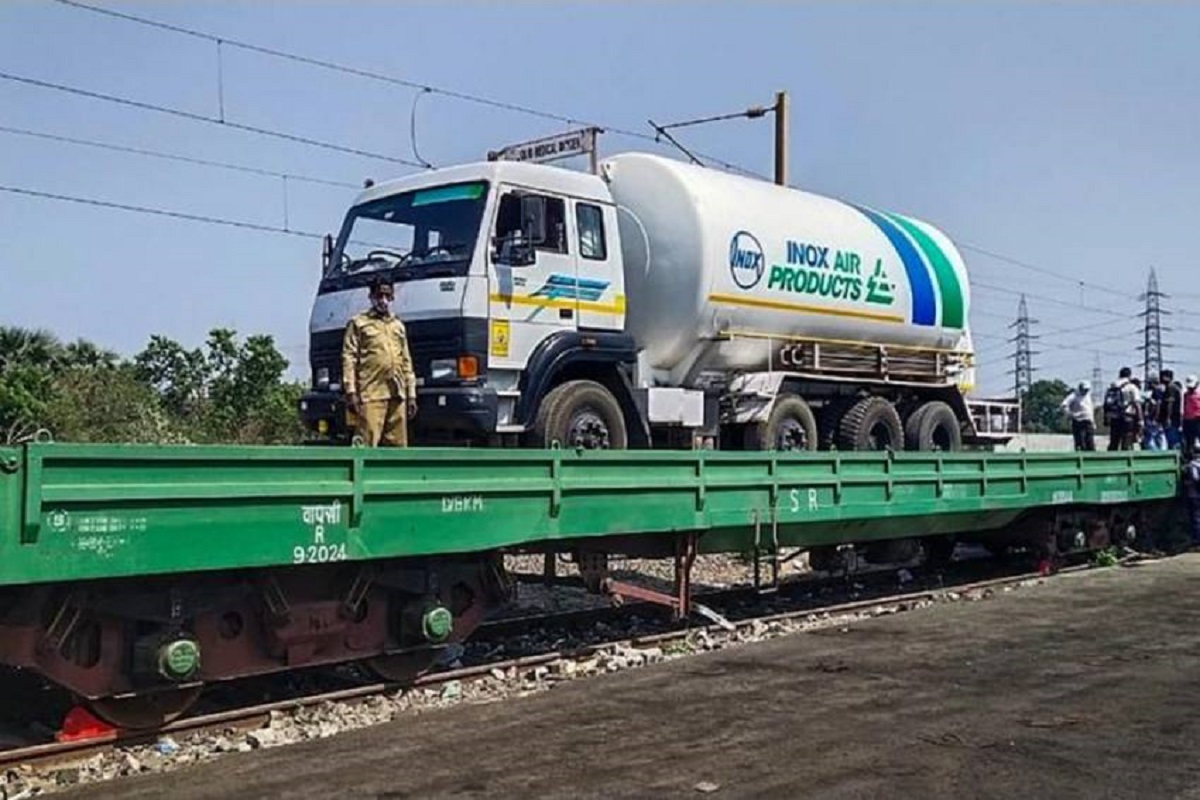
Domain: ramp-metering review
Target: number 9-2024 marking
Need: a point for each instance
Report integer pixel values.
(318, 553)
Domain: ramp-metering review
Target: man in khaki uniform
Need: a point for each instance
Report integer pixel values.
(377, 372)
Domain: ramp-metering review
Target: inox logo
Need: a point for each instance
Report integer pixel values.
(746, 261)
(807, 254)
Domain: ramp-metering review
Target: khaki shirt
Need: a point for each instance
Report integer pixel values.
(376, 364)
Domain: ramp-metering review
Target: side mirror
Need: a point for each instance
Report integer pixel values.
(533, 218)
(513, 250)
(326, 253)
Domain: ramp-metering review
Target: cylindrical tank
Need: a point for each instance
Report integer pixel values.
(706, 253)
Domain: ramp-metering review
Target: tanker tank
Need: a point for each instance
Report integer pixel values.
(708, 253)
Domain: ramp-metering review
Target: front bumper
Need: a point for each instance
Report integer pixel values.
(443, 412)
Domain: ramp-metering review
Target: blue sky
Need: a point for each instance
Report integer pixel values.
(1062, 136)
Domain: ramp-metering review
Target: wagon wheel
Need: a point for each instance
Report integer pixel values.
(403, 667)
(145, 711)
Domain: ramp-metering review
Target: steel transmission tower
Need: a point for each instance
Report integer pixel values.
(1023, 370)
(1152, 346)
(1097, 376)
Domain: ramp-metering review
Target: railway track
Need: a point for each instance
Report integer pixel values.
(965, 582)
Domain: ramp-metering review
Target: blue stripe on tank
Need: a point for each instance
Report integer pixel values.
(924, 302)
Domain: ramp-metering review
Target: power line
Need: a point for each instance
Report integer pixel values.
(1081, 328)
(1016, 262)
(160, 212)
(1046, 298)
(191, 115)
(980, 312)
(333, 66)
(53, 137)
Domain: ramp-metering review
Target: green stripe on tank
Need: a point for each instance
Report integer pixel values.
(948, 286)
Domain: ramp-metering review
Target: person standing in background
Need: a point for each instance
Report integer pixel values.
(1120, 411)
(1136, 411)
(1170, 411)
(1079, 407)
(1153, 435)
(1191, 416)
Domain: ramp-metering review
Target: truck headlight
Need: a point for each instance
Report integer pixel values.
(323, 378)
(441, 369)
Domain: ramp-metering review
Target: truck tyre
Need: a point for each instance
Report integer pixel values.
(580, 415)
(871, 424)
(933, 426)
(791, 426)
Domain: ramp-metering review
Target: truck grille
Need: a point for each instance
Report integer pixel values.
(427, 339)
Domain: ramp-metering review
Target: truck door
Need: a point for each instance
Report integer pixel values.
(601, 299)
(533, 294)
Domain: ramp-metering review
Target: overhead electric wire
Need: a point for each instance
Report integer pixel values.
(1046, 298)
(174, 157)
(191, 115)
(477, 99)
(1043, 270)
(160, 212)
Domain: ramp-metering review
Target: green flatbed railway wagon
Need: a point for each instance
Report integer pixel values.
(133, 575)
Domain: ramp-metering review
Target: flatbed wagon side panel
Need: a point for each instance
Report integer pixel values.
(111, 511)
(826, 498)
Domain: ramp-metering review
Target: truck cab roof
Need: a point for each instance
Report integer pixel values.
(572, 183)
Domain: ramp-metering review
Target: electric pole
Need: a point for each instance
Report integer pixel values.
(1152, 330)
(781, 138)
(1023, 370)
(779, 109)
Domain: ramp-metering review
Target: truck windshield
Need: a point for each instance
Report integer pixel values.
(411, 232)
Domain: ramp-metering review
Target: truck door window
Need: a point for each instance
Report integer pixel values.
(509, 221)
(590, 220)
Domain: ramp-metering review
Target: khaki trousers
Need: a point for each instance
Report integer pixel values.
(384, 423)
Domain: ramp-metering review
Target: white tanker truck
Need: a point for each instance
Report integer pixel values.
(655, 304)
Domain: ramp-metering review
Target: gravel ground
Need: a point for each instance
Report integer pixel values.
(1083, 687)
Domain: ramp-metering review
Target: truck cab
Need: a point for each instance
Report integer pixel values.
(508, 279)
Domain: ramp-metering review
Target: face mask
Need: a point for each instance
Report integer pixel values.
(381, 304)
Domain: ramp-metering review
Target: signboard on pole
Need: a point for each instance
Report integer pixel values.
(551, 148)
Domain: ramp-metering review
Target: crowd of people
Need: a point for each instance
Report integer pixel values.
(1162, 416)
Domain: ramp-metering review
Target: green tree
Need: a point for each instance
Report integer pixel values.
(108, 404)
(29, 360)
(25, 394)
(244, 388)
(1040, 407)
(177, 374)
(82, 353)
(39, 348)
(229, 391)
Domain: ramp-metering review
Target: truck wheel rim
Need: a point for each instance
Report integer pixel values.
(588, 431)
(792, 436)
